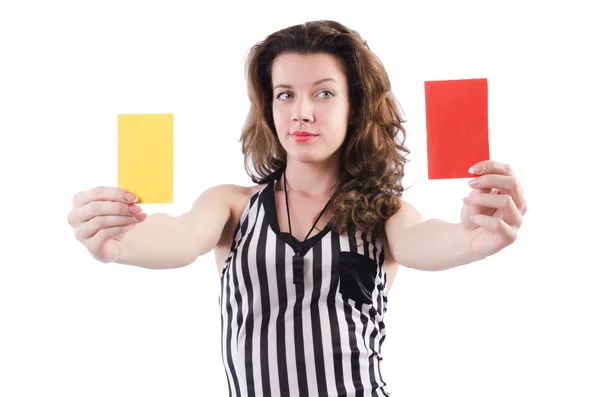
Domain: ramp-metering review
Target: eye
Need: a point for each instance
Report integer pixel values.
(327, 92)
(283, 93)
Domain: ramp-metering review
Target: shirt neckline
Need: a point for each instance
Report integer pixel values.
(271, 214)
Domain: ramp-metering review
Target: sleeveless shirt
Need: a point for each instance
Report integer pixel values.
(322, 337)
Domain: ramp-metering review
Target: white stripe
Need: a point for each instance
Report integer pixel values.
(344, 333)
(381, 305)
(274, 298)
(307, 328)
(256, 306)
(345, 347)
(383, 393)
(289, 324)
(226, 328)
(363, 348)
(237, 345)
(325, 323)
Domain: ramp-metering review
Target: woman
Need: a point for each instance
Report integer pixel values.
(307, 255)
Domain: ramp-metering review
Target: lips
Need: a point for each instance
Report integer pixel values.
(303, 133)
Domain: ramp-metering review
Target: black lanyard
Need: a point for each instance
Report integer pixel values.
(298, 260)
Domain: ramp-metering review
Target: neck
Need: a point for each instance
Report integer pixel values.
(311, 180)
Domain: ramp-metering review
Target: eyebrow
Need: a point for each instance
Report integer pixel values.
(314, 84)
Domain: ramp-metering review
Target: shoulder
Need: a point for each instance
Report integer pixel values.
(228, 194)
(229, 189)
(232, 199)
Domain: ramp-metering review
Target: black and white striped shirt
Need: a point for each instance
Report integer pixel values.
(319, 338)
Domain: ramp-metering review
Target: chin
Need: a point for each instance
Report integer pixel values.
(308, 156)
(304, 157)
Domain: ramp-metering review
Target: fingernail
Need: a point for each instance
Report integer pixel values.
(131, 197)
(475, 169)
(474, 183)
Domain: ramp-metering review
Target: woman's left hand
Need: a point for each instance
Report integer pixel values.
(493, 212)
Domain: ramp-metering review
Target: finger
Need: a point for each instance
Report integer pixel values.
(506, 233)
(511, 215)
(102, 208)
(500, 202)
(483, 190)
(89, 229)
(477, 188)
(482, 209)
(490, 167)
(509, 184)
(103, 193)
(98, 241)
(491, 181)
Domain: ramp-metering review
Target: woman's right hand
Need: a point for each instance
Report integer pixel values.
(101, 217)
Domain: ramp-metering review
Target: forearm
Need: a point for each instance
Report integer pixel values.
(432, 245)
(157, 243)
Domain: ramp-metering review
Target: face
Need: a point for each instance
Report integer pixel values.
(310, 94)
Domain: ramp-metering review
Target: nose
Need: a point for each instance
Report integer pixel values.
(305, 119)
(302, 112)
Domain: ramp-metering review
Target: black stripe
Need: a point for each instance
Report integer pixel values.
(372, 312)
(379, 274)
(333, 320)
(354, 355)
(223, 336)
(380, 377)
(380, 297)
(249, 323)
(299, 341)
(364, 320)
(263, 285)
(238, 295)
(381, 328)
(223, 340)
(382, 294)
(382, 261)
(280, 325)
(373, 242)
(365, 241)
(230, 321)
(243, 223)
(315, 318)
(352, 242)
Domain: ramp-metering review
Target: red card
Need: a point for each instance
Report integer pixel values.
(457, 126)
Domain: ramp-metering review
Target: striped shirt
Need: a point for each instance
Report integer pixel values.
(322, 337)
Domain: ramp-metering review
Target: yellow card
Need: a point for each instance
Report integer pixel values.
(146, 156)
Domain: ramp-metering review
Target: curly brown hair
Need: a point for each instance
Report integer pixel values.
(372, 162)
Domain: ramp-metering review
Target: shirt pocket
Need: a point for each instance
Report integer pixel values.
(357, 276)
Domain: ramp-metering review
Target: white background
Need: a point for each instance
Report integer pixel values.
(521, 323)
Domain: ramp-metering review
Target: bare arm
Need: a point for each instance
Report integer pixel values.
(162, 241)
(431, 245)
